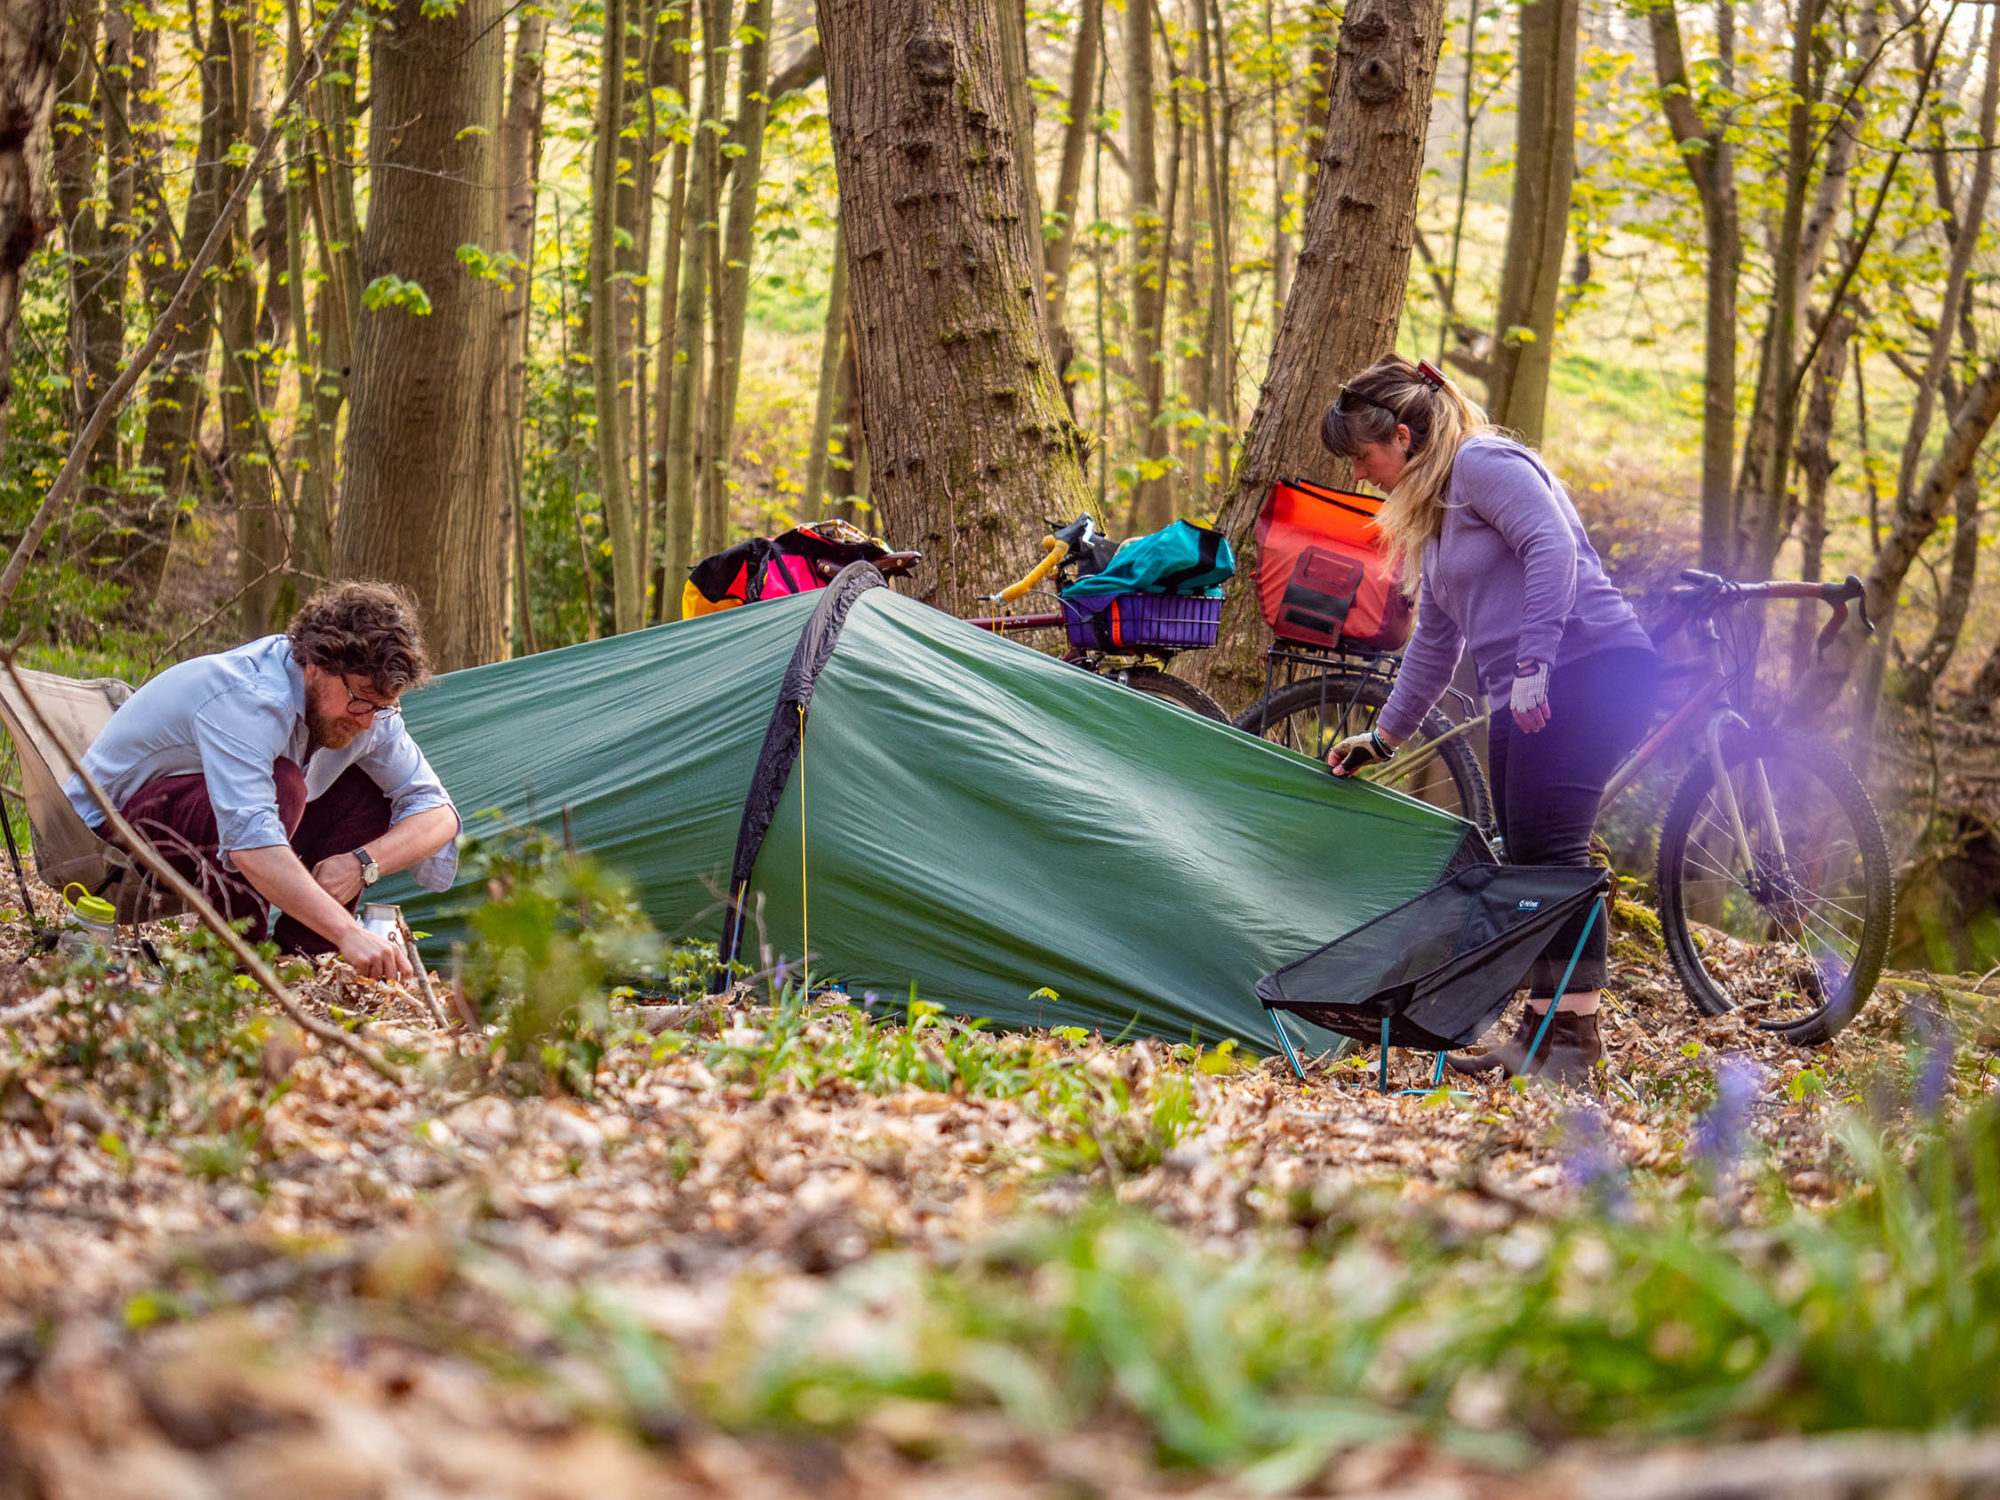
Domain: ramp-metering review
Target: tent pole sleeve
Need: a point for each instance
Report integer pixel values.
(1576, 954)
(783, 735)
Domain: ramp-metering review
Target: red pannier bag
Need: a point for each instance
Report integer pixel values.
(1323, 578)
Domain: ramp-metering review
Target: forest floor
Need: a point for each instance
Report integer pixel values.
(798, 1249)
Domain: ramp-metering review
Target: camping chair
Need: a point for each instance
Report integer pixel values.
(67, 850)
(1436, 972)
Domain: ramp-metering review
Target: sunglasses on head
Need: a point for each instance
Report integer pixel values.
(1343, 403)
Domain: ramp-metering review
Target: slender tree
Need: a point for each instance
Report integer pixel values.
(1708, 152)
(1151, 503)
(425, 486)
(684, 393)
(732, 288)
(1078, 127)
(621, 522)
(1531, 272)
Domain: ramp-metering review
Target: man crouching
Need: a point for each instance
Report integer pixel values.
(281, 773)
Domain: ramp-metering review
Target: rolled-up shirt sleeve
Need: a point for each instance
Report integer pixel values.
(239, 751)
(400, 769)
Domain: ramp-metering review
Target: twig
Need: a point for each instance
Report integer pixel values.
(171, 316)
(209, 619)
(141, 849)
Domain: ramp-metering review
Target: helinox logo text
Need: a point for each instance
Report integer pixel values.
(1529, 905)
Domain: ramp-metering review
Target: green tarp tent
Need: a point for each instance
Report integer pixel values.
(981, 821)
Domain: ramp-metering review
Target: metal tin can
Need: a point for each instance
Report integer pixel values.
(384, 919)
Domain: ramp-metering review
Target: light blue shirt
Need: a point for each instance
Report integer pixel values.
(231, 716)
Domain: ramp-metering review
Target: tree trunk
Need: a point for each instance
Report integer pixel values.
(1013, 15)
(672, 68)
(1915, 520)
(848, 488)
(96, 253)
(1781, 340)
(1927, 666)
(30, 53)
(1152, 498)
(1709, 154)
(178, 387)
(425, 492)
(1531, 273)
(1218, 124)
(1816, 466)
(832, 357)
(1077, 132)
(733, 288)
(970, 443)
(243, 463)
(520, 175)
(684, 394)
(1347, 295)
(621, 523)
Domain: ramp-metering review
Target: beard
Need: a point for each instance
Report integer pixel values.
(330, 733)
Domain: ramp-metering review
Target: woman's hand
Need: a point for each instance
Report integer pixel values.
(1530, 701)
(1359, 750)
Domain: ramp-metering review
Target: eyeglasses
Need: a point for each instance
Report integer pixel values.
(357, 706)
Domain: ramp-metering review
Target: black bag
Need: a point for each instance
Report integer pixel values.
(1439, 969)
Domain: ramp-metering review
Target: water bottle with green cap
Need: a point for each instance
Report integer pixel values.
(92, 923)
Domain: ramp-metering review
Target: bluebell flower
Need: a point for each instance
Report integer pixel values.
(1934, 1067)
(782, 975)
(1719, 1134)
(869, 999)
(1592, 1163)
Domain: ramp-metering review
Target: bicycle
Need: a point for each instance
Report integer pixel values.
(1331, 692)
(1141, 667)
(1769, 836)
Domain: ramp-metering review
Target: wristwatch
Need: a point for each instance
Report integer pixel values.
(370, 871)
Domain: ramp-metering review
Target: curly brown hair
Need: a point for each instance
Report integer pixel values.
(363, 629)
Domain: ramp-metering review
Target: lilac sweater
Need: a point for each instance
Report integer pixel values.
(1513, 574)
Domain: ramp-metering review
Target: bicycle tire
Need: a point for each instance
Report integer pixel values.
(1178, 691)
(1687, 880)
(1358, 697)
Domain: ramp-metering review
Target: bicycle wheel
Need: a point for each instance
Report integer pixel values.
(1818, 886)
(1178, 691)
(1311, 714)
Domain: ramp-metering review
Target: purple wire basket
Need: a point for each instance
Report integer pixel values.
(1143, 622)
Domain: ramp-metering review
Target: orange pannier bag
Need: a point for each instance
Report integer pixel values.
(1323, 578)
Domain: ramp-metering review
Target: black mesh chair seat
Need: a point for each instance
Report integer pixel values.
(1440, 969)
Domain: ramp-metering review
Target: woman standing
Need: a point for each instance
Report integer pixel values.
(1497, 558)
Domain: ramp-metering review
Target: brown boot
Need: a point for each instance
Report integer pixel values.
(1510, 1054)
(1574, 1047)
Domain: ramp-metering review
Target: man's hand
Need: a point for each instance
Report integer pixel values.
(339, 877)
(378, 958)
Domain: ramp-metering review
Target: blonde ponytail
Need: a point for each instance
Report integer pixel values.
(1441, 419)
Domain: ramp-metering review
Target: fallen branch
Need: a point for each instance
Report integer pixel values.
(141, 849)
(171, 316)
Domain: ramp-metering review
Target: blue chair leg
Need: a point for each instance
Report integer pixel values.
(1278, 1025)
(1382, 1084)
(1549, 1015)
